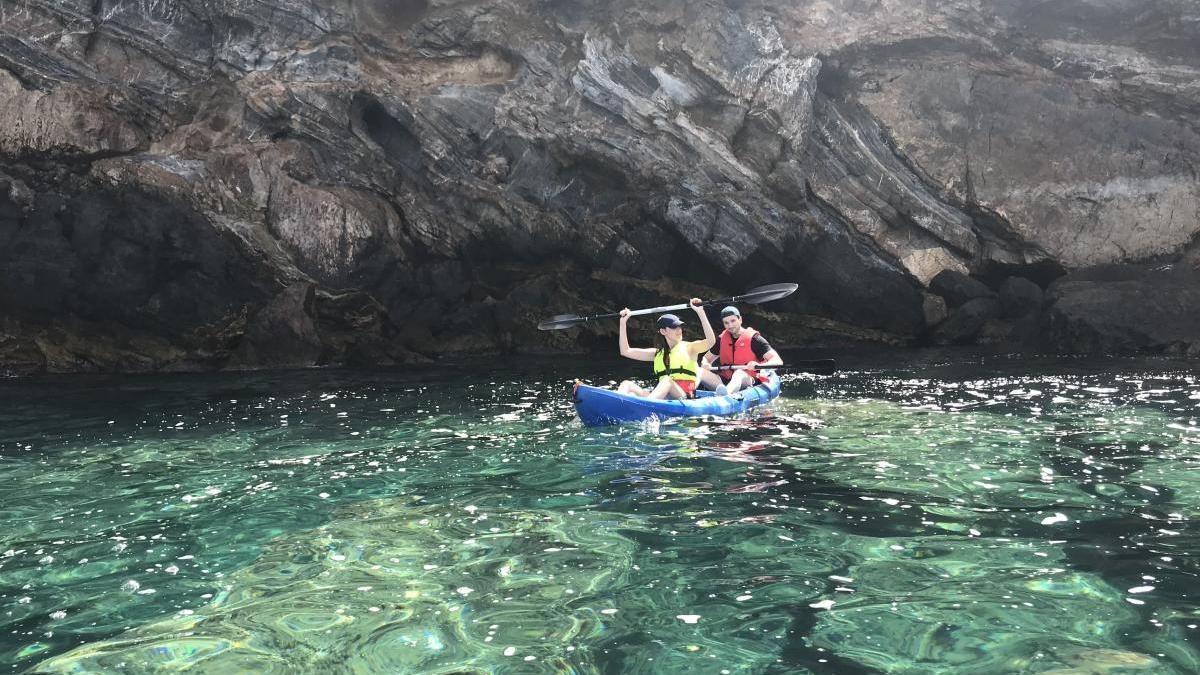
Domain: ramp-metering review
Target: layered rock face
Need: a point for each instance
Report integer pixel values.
(235, 184)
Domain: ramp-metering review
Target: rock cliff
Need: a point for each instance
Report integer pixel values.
(203, 184)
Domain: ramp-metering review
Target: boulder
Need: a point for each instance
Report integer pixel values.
(283, 333)
(1020, 296)
(935, 310)
(1124, 309)
(958, 288)
(995, 331)
(966, 321)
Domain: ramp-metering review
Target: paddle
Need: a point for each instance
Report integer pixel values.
(816, 367)
(753, 296)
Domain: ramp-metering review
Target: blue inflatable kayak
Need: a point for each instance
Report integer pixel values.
(597, 407)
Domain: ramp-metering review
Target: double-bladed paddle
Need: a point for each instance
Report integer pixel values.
(753, 296)
(815, 367)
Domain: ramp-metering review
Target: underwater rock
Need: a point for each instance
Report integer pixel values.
(392, 585)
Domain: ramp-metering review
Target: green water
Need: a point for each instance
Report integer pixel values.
(971, 517)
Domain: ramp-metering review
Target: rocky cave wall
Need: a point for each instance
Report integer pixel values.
(204, 184)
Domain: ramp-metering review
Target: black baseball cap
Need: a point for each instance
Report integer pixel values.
(669, 321)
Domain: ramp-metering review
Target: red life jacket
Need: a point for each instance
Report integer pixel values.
(738, 353)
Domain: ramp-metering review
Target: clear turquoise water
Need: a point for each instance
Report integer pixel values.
(970, 517)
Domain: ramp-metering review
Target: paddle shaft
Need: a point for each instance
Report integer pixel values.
(818, 366)
(754, 296)
(664, 308)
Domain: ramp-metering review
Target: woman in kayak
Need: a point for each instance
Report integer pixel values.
(675, 363)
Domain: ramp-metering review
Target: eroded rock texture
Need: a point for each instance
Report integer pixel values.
(242, 183)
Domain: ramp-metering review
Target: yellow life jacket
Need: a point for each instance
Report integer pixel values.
(683, 364)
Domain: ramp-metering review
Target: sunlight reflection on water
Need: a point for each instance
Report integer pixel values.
(937, 520)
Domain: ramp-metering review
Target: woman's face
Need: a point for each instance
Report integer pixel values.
(672, 335)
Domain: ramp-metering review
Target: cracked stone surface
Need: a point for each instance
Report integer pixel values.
(204, 184)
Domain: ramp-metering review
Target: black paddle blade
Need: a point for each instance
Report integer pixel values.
(768, 293)
(815, 367)
(561, 321)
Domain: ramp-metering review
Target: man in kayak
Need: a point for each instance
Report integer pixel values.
(675, 361)
(738, 345)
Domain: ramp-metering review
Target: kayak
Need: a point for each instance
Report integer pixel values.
(598, 407)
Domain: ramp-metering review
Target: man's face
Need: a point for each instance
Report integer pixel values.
(733, 323)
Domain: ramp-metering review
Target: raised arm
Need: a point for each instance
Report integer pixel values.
(710, 338)
(637, 354)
